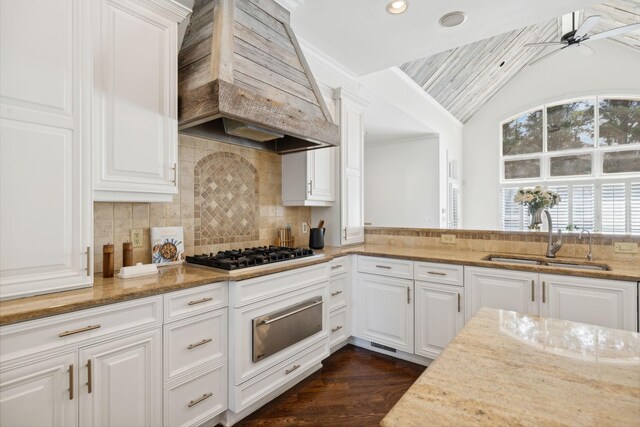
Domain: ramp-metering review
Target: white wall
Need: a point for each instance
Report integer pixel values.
(401, 184)
(613, 69)
(398, 89)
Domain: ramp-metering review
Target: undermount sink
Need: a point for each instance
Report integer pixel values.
(549, 263)
(513, 260)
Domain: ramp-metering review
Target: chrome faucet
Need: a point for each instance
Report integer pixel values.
(589, 255)
(552, 247)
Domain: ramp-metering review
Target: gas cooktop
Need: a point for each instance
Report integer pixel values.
(250, 257)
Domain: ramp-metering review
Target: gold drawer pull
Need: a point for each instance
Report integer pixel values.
(71, 382)
(333, 294)
(288, 371)
(437, 273)
(337, 328)
(384, 266)
(200, 399)
(336, 266)
(77, 331)
(198, 344)
(200, 301)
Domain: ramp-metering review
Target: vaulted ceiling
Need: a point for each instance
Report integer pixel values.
(463, 79)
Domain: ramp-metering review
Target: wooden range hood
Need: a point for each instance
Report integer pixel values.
(243, 80)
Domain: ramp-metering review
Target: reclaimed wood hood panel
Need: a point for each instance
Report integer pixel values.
(240, 60)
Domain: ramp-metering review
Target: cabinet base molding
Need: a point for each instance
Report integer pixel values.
(399, 354)
(230, 418)
(127, 196)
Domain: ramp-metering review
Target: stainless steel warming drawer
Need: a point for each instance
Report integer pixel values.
(282, 328)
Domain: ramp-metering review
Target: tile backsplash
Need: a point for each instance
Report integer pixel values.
(513, 242)
(229, 197)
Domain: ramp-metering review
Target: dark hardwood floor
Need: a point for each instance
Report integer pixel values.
(356, 387)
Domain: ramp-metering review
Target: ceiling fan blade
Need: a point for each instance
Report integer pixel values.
(544, 44)
(586, 26)
(615, 32)
(547, 55)
(585, 50)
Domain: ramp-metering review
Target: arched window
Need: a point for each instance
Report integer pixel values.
(587, 150)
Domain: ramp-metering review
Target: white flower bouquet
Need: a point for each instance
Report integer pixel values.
(535, 199)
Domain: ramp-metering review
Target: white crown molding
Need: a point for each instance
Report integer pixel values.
(290, 5)
(416, 87)
(169, 9)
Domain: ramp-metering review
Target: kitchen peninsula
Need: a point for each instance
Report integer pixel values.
(506, 368)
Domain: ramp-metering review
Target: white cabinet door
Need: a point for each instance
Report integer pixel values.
(42, 393)
(125, 377)
(352, 155)
(609, 303)
(385, 311)
(308, 178)
(321, 173)
(45, 163)
(136, 136)
(501, 289)
(439, 316)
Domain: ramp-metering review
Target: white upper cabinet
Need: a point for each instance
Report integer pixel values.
(45, 157)
(308, 178)
(351, 118)
(135, 99)
(609, 303)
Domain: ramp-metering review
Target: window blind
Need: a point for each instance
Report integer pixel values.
(583, 212)
(560, 212)
(454, 205)
(513, 217)
(634, 202)
(614, 212)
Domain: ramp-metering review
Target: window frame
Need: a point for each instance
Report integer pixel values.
(597, 152)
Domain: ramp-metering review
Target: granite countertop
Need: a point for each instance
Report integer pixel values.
(173, 278)
(506, 368)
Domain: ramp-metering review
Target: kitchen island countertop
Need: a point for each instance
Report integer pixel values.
(506, 368)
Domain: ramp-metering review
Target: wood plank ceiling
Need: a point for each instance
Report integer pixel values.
(462, 80)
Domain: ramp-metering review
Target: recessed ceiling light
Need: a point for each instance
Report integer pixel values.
(397, 7)
(453, 19)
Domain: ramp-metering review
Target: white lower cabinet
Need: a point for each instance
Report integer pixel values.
(385, 311)
(501, 289)
(96, 367)
(439, 316)
(339, 325)
(196, 400)
(609, 303)
(195, 355)
(120, 382)
(40, 393)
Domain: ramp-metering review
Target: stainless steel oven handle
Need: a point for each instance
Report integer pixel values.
(275, 319)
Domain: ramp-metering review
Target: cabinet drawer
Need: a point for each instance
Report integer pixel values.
(338, 291)
(79, 327)
(339, 265)
(256, 388)
(440, 273)
(196, 400)
(192, 342)
(340, 328)
(386, 267)
(181, 304)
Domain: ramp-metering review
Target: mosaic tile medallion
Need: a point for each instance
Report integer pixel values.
(226, 200)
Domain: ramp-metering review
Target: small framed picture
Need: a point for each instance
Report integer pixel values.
(167, 245)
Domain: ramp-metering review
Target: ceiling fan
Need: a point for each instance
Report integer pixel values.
(576, 37)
